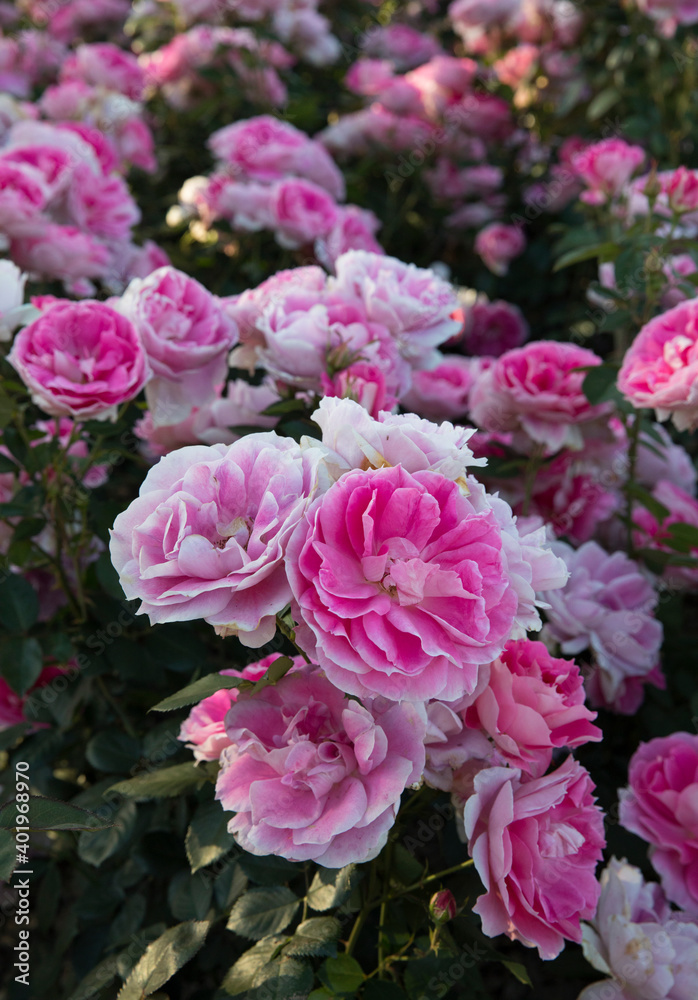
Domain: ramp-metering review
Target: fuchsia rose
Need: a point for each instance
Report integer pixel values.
(203, 730)
(186, 335)
(491, 328)
(650, 950)
(105, 65)
(362, 382)
(101, 205)
(312, 775)
(401, 586)
(301, 212)
(606, 167)
(413, 303)
(22, 198)
(531, 704)
(682, 189)
(80, 359)
(498, 244)
(207, 534)
(653, 533)
(15, 708)
(535, 844)
(537, 389)
(661, 806)
(660, 369)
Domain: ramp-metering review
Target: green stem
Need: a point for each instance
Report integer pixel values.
(363, 912)
(532, 467)
(117, 708)
(291, 636)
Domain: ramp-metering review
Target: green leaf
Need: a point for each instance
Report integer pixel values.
(207, 838)
(94, 848)
(6, 410)
(28, 528)
(21, 662)
(189, 896)
(51, 814)
(6, 463)
(10, 736)
(113, 751)
(589, 252)
(602, 103)
(657, 509)
(599, 384)
(331, 887)
(282, 979)
(682, 537)
(342, 974)
(19, 604)
(268, 870)
(196, 692)
(518, 970)
(285, 406)
(8, 855)
(163, 958)
(316, 936)
(240, 977)
(163, 783)
(278, 669)
(264, 911)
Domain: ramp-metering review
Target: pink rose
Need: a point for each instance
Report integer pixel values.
(660, 369)
(406, 612)
(369, 77)
(362, 382)
(413, 303)
(535, 844)
(207, 535)
(312, 775)
(517, 65)
(80, 359)
(354, 229)
(491, 328)
(537, 389)
(105, 65)
(186, 335)
(442, 393)
(403, 46)
(100, 205)
(301, 212)
(61, 252)
(16, 709)
(531, 704)
(203, 730)
(653, 533)
(498, 244)
(606, 167)
(22, 198)
(670, 13)
(661, 806)
(683, 189)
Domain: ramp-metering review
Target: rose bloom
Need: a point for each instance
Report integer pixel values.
(651, 533)
(682, 189)
(413, 303)
(537, 390)
(207, 534)
(16, 709)
(491, 328)
(105, 65)
(312, 775)
(660, 368)
(22, 198)
(531, 704)
(606, 167)
(401, 585)
(63, 252)
(442, 393)
(203, 730)
(301, 212)
(607, 607)
(670, 13)
(362, 382)
(186, 335)
(498, 244)
(650, 950)
(80, 359)
(403, 46)
(354, 229)
(12, 310)
(661, 806)
(535, 844)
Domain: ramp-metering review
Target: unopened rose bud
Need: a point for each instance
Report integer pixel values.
(442, 906)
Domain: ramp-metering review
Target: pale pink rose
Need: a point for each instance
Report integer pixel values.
(491, 328)
(498, 244)
(661, 806)
(64, 430)
(314, 776)
(105, 65)
(481, 13)
(203, 730)
(535, 844)
(675, 270)
(362, 382)
(673, 463)
(532, 703)
(61, 252)
(301, 212)
(102, 206)
(442, 393)
(670, 13)
(537, 390)
(652, 533)
(627, 696)
(360, 132)
(245, 205)
(186, 335)
(403, 46)
(23, 196)
(400, 612)
(369, 76)
(68, 20)
(134, 143)
(606, 167)
(266, 149)
(607, 607)
(80, 359)
(441, 82)
(413, 303)
(12, 310)
(354, 229)
(650, 950)
(452, 749)
(308, 33)
(660, 369)
(485, 116)
(207, 535)
(517, 65)
(102, 147)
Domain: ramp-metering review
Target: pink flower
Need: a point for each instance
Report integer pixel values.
(653, 533)
(186, 335)
(454, 752)
(22, 198)
(683, 190)
(16, 709)
(535, 844)
(491, 328)
(442, 907)
(517, 65)
(267, 149)
(12, 310)
(369, 76)
(63, 252)
(207, 535)
(607, 607)
(498, 244)
(354, 229)
(531, 704)
(413, 303)
(606, 167)
(362, 382)
(537, 389)
(203, 730)
(661, 806)
(401, 586)
(314, 776)
(80, 359)
(660, 369)
(100, 205)
(670, 13)
(650, 950)
(301, 212)
(105, 65)
(403, 46)
(442, 393)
